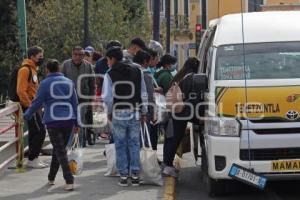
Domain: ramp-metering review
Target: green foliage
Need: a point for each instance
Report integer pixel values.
(8, 42)
(57, 25)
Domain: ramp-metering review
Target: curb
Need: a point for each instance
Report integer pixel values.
(170, 182)
(170, 185)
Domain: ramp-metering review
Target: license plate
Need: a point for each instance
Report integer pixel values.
(246, 176)
(287, 165)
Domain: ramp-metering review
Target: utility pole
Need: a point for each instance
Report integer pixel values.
(22, 27)
(204, 14)
(168, 24)
(86, 38)
(156, 20)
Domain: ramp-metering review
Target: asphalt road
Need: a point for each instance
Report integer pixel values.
(190, 187)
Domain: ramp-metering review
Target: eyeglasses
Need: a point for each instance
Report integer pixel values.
(78, 54)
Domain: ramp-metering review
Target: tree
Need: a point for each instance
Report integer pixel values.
(59, 25)
(8, 43)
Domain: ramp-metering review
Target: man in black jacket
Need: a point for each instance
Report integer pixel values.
(124, 92)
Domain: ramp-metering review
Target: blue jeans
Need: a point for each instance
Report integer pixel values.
(126, 132)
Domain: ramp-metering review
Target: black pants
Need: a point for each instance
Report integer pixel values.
(59, 138)
(153, 131)
(36, 136)
(171, 144)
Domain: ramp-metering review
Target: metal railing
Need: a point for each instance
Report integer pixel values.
(15, 112)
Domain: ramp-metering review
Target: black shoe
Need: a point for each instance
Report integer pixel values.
(135, 181)
(91, 142)
(123, 181)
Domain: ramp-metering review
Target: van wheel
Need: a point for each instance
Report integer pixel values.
(213, 187)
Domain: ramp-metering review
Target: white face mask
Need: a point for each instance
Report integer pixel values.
(174, 67)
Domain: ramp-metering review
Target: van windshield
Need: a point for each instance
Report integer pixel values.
(262, 61)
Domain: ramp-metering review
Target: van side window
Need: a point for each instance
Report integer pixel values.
(205, 49)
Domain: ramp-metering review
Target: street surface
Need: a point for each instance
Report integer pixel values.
(90, 185)
(189, 187)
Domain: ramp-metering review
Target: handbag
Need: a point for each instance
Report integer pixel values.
(75, 155)
(150, 169)
(110, 150)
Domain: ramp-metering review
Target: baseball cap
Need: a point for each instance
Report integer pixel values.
(89, 49)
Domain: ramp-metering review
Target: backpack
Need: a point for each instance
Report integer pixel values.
(174, 96)
(12, 90)
(174, 99)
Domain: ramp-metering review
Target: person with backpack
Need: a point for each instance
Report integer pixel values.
(23, 87)
(180, 91)
(164, 76)
(125, 95)
(58, 96)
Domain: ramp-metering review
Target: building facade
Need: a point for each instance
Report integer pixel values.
(185, 14)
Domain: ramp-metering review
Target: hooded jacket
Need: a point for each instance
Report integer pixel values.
(164, 78)
(26, 90)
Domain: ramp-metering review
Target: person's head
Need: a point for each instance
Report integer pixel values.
(191, 65)
(113, 43)
(88, 53)
(36, 54)
(167, 61)
(96, 56)
(142, 58)
(157, 47)
(52, 66)
(136, 45)
(153, 58)
(114, 55)
(77, 55)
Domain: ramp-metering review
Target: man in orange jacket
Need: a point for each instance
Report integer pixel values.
(27, 85)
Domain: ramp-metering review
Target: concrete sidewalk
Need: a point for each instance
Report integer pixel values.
(90, 185)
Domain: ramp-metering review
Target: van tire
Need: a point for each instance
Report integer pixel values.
(212, 186)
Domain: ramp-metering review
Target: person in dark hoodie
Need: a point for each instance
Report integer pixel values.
(164, 76)
(125, 95)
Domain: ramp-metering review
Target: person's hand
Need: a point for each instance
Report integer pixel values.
(76, 130)
(143, 118)
(158, 90)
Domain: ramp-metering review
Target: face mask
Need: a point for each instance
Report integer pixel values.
(40, 62)
(173, 67)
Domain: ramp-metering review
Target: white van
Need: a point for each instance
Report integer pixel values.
(252, 130)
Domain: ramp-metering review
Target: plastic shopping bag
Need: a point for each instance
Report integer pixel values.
(110, 150)
(160, 111)
(101, 123)
(75, 155)
(150, 169)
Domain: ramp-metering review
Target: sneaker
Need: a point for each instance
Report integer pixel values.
(170, 171)
(135, 181)
(35, 164)
(50, 183)
(69, 187)
(42, 162)
(123, 181)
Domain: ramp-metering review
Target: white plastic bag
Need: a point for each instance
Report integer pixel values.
(160, 112)
(110, 150)
(101, 123)
(150, 169)
(75, 155)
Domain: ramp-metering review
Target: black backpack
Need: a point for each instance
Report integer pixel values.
(12, 90)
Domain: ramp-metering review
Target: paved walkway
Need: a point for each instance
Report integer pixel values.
(90, 185)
